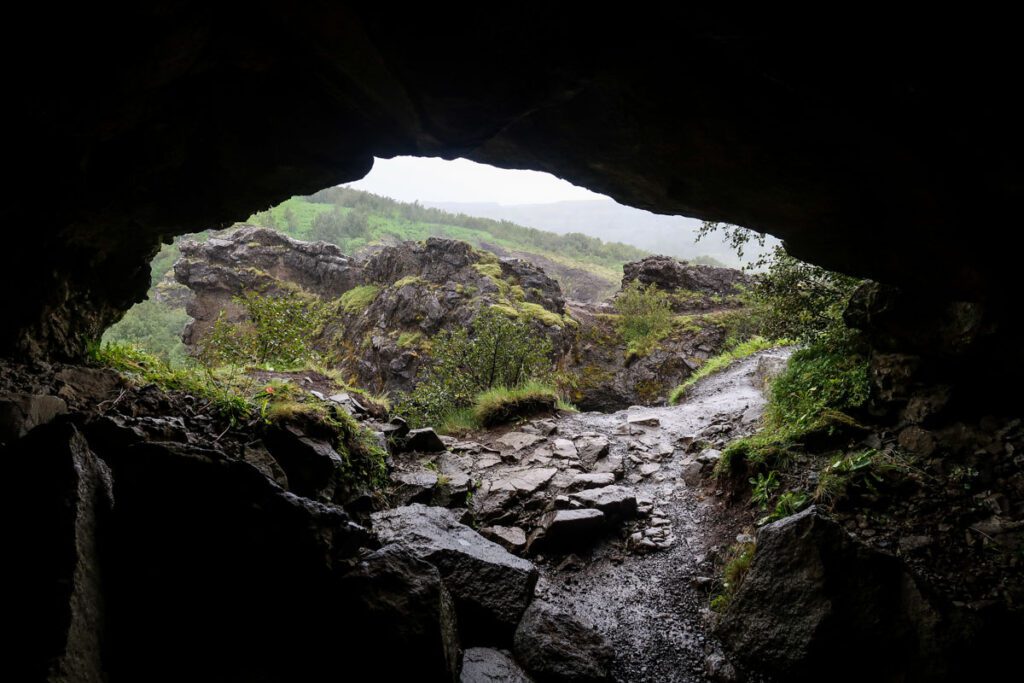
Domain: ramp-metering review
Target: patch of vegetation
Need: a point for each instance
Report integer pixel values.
(222, 390)
(736, 566)
(645, 317)
(829, 375)
(358, 299)
(764, 488)
(496, 351)
(500, 405)
(154, 326)
(721, 362)
(410, 340)
(531, 311)
(789, 503)
(408, 280)
(279, 331)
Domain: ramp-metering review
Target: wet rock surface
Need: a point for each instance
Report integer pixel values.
(491, 587)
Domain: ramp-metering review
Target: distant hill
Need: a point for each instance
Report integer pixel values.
(611, 222)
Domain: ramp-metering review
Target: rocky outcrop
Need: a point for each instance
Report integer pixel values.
(695, 286)
(384, 309)
(815, 594)
(255, 259)
(708, 309)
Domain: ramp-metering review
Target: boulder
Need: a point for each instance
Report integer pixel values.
(556, 648)
(487, 665)
(591, 448)
(491, 587)
(312, 466)
(21, 413)
(816, 596)
(403, 607)
(424, 440)
(564, 530)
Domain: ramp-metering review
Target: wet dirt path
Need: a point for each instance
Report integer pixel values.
(649, 605)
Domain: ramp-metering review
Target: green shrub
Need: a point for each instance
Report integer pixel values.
(826, 376)
(496, 352)
(155, 327)
(279, 330)
(645, 317)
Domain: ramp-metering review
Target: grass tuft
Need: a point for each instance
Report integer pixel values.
(721, 362)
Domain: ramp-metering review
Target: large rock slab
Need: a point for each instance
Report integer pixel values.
(54, 590)
(592, 480)
(617, 501)
(487, 665)
(514, 442)
(556, 648)
(491, 587)
(524, 480)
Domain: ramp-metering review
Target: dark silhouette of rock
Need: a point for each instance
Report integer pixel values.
(490, 586)
(555, 648)
(407, 626)
(814, 594)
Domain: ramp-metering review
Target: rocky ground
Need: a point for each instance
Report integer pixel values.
(612, 509)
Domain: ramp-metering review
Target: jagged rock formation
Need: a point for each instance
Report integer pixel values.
(408, 293)
(707, 303)
(694, 286)
(255, 259)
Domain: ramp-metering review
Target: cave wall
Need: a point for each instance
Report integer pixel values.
(877, 145)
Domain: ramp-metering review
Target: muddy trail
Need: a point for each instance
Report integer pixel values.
(649, 601)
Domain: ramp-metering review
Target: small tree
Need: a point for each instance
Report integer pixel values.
(279, 330)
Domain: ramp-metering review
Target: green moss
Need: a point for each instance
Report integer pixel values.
(407, 340)
(489, 269)
(358, 299)
(530, 311)
(409, 280)
(506, 310)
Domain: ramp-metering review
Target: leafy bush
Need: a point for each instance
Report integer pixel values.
(496, 352)
(801, 301)
(279, 330)
(645, 317)
(828, 375)
(155, 327)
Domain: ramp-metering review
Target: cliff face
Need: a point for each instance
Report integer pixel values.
(383, 310)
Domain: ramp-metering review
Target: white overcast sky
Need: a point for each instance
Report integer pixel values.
(430, 179)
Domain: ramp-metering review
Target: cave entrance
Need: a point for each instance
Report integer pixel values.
(564, 249)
